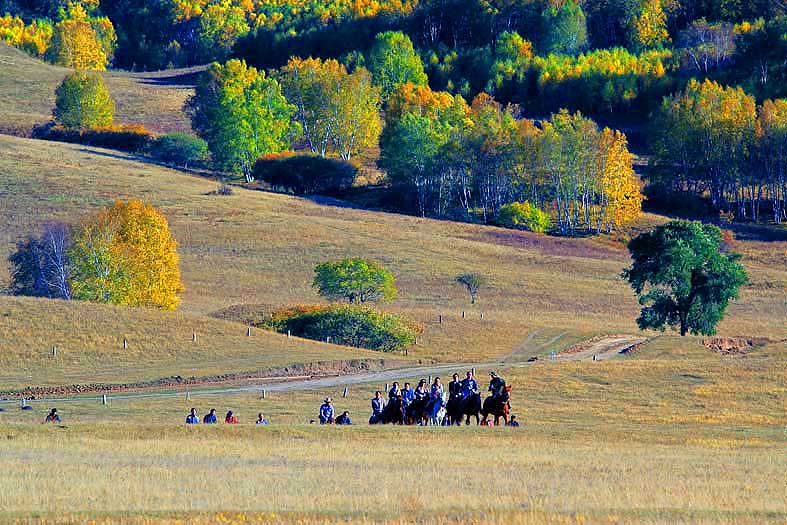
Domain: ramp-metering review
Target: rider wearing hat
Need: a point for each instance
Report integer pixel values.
(327, 412)
(496, 385)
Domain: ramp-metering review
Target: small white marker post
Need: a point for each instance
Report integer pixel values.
(103, 399)
(345, 392)
(54, 351)
(248, 332)
(125, 344)
(194, 337)
(263, 393)
(188, 396)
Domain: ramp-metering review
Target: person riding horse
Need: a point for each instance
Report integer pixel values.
(496, 385)
(393, 393)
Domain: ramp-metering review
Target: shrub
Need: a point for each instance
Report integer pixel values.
(354, 280)
(180, 149)
(83, 101)
(523, 215)
(349, 325)
(305, 174)
(131, 138)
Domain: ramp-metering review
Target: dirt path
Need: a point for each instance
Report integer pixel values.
(605, 347)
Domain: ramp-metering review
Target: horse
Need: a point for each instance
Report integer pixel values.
(393, 412)
(437, 410)
(498, 407)
(418, 412)
(454, 409)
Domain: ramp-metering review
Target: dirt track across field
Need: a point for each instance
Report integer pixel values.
(603, 348)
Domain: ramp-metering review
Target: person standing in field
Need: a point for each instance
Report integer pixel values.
(210, 417)
(261, 419)
(52, 417)
(230, 418)
(327, 412)
(192, 418)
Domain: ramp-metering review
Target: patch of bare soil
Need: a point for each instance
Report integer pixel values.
(602, 347)
(734, 346)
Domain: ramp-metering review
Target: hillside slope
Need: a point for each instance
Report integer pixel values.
(27, 94)
(260, 248)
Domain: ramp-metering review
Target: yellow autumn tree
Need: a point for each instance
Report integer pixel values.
(126, 255)
(80, 41)
(620, 188)
(650, 27)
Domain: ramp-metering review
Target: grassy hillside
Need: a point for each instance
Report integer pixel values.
(27, 94)
(260, 248)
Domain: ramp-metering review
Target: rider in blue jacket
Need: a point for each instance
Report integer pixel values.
(327, 412)
(407, 395)
(469, 385)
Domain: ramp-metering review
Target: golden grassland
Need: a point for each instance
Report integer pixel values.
(260, 248)
(698, 438)
(27, 94)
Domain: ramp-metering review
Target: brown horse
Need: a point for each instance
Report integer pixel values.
(499, 407)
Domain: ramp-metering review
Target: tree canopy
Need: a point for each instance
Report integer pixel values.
(82, 101)
(393, 62)
(354, 280)
(242, 114)
(682, 277)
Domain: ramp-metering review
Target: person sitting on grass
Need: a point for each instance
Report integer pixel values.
(327, 412)
(344, 419)
(378, 405)
(210, 417)
(192, 418)
(513, 422)
(261, 419)
(52, 417)
(230, 418)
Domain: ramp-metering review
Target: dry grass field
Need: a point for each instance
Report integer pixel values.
(260, 248)
(27, 94)
(672, 433)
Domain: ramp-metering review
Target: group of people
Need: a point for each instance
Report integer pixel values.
(327, 414)
(211, 419)
(432, 398)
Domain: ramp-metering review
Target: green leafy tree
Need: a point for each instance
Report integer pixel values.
(82, 101)
(242, 115)
(393, 61)
(682, 277)
(355, 280)
(524, 215)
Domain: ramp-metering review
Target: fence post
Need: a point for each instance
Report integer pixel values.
(125, 344)
(248, 332)
(345, 392)
(405, 352)
(440, 318)
(386, 388)
(463, 314)
(54, 351)
(263, 393)
(188, 395)
(328, 339)
(103, 399)
(288, 334)
(482, 316)
(194, 337)
(473, 370)
(430, 380)
(24, 403)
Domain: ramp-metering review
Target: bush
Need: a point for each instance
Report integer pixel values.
(131, 138)
(349, 325)
(305, 174)
(522, 215)
(180, 149)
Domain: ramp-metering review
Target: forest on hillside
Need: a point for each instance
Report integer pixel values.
(482, 110)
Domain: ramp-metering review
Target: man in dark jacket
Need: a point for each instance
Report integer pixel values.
(192, 418)
(210, 417)
(344, 419)
(496, 385)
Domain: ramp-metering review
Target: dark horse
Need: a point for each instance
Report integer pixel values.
(418, 412)
(498, 407)
(393, 412)
(460, 407)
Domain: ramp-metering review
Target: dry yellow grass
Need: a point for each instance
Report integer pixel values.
(27, 94)
(257, 247)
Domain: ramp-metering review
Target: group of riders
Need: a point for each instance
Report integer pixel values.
(431, 404)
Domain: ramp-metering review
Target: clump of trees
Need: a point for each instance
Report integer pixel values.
(305, 174)
(454, 160)
(124, 254)
(682, 278)
(338, 112)
(179, 149)
(242, 114)
(75, 39)
(716, 141)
